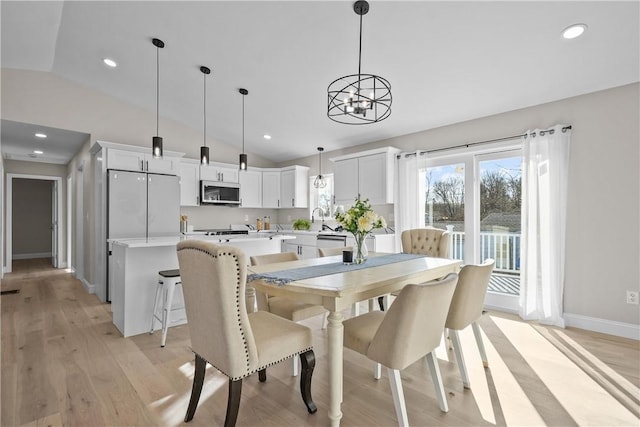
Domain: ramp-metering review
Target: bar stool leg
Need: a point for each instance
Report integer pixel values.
(171, 287)
(155, 308)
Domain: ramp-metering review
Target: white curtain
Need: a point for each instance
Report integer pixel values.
(544, 207)
(409, 194)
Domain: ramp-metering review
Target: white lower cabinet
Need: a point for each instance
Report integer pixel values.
(304, 245)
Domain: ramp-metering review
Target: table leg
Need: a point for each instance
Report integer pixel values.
(336, 332)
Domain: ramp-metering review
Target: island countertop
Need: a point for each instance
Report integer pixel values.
(173, 240)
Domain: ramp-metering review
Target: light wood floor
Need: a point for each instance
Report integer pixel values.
(65, 363)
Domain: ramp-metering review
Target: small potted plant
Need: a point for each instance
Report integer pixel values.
(301, 224)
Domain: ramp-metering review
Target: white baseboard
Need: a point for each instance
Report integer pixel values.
(620, 329)
(32, 255)
(91, 289)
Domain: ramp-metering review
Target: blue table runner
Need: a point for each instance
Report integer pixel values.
(282, 277)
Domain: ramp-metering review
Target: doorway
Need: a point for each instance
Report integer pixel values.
(477, 197)
(39, 235)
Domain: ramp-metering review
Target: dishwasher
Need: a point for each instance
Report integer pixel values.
(331, 240)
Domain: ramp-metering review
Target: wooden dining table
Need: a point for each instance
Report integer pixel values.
(339, 291)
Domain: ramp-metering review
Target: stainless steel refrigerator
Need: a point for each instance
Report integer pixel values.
(141, 205)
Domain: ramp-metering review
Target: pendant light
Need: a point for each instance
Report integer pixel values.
(320, 181)
(204, 150)
(243, 156)
(359, 99)
(157, 140)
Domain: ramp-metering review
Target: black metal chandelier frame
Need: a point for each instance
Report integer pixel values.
(351, 97)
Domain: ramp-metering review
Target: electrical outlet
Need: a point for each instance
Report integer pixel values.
(288, 218)
(246, 217)
(632, 297)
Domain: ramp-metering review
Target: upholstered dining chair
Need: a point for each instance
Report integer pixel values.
(285, 307)
(428, 241)
(408, 331)
(466, 309)
(223, 334)
(322, 252)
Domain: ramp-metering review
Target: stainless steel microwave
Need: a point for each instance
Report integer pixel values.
(219, 193)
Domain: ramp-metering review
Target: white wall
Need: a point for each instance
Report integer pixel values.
(603, 214)
(48, 100)
(603, 218)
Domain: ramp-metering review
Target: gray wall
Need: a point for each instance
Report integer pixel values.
(603, 226)
(603, 210)
(31, 217)
(48, 100)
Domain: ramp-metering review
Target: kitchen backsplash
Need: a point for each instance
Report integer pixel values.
(202, 217)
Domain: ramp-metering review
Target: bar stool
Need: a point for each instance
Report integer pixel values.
(167, 282)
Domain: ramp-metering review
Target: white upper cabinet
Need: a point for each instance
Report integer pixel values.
(250, 188)
(219, 172)
(345, 181)
(189, 182)
(368, 175)
(137, 161)
(294, 192)
(270, 188)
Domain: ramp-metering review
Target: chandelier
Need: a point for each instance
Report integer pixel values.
(359, 99)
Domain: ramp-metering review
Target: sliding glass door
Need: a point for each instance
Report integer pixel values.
(477, 197)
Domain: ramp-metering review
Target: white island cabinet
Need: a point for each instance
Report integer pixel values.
(136, 263)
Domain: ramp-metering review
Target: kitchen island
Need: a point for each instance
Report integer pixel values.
(134, 267)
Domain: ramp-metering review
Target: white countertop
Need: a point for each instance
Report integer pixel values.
(173, 240)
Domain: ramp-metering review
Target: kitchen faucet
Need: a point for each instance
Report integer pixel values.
(321, 212)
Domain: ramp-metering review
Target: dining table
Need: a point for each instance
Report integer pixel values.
(329, 282)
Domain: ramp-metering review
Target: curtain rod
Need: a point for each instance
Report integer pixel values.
(506, 138)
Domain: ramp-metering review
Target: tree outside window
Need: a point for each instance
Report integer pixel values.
(322, 197)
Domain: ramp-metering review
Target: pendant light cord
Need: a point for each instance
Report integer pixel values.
(204, 142)
(359, 57)
(360, 49)
(243, 123)
(157, 89)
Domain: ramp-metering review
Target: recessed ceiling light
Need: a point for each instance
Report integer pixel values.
(38, 152)
(267, 136)
(573, 31)
(41, 135)
(110, 62)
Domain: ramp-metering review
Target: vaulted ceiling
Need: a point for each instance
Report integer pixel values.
(447, 61)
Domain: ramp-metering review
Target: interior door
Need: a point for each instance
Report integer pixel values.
(54, 224)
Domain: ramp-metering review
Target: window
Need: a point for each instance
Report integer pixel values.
(476, 195)
(321, 197)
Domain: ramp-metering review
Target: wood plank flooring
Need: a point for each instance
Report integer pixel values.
(65, 363)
